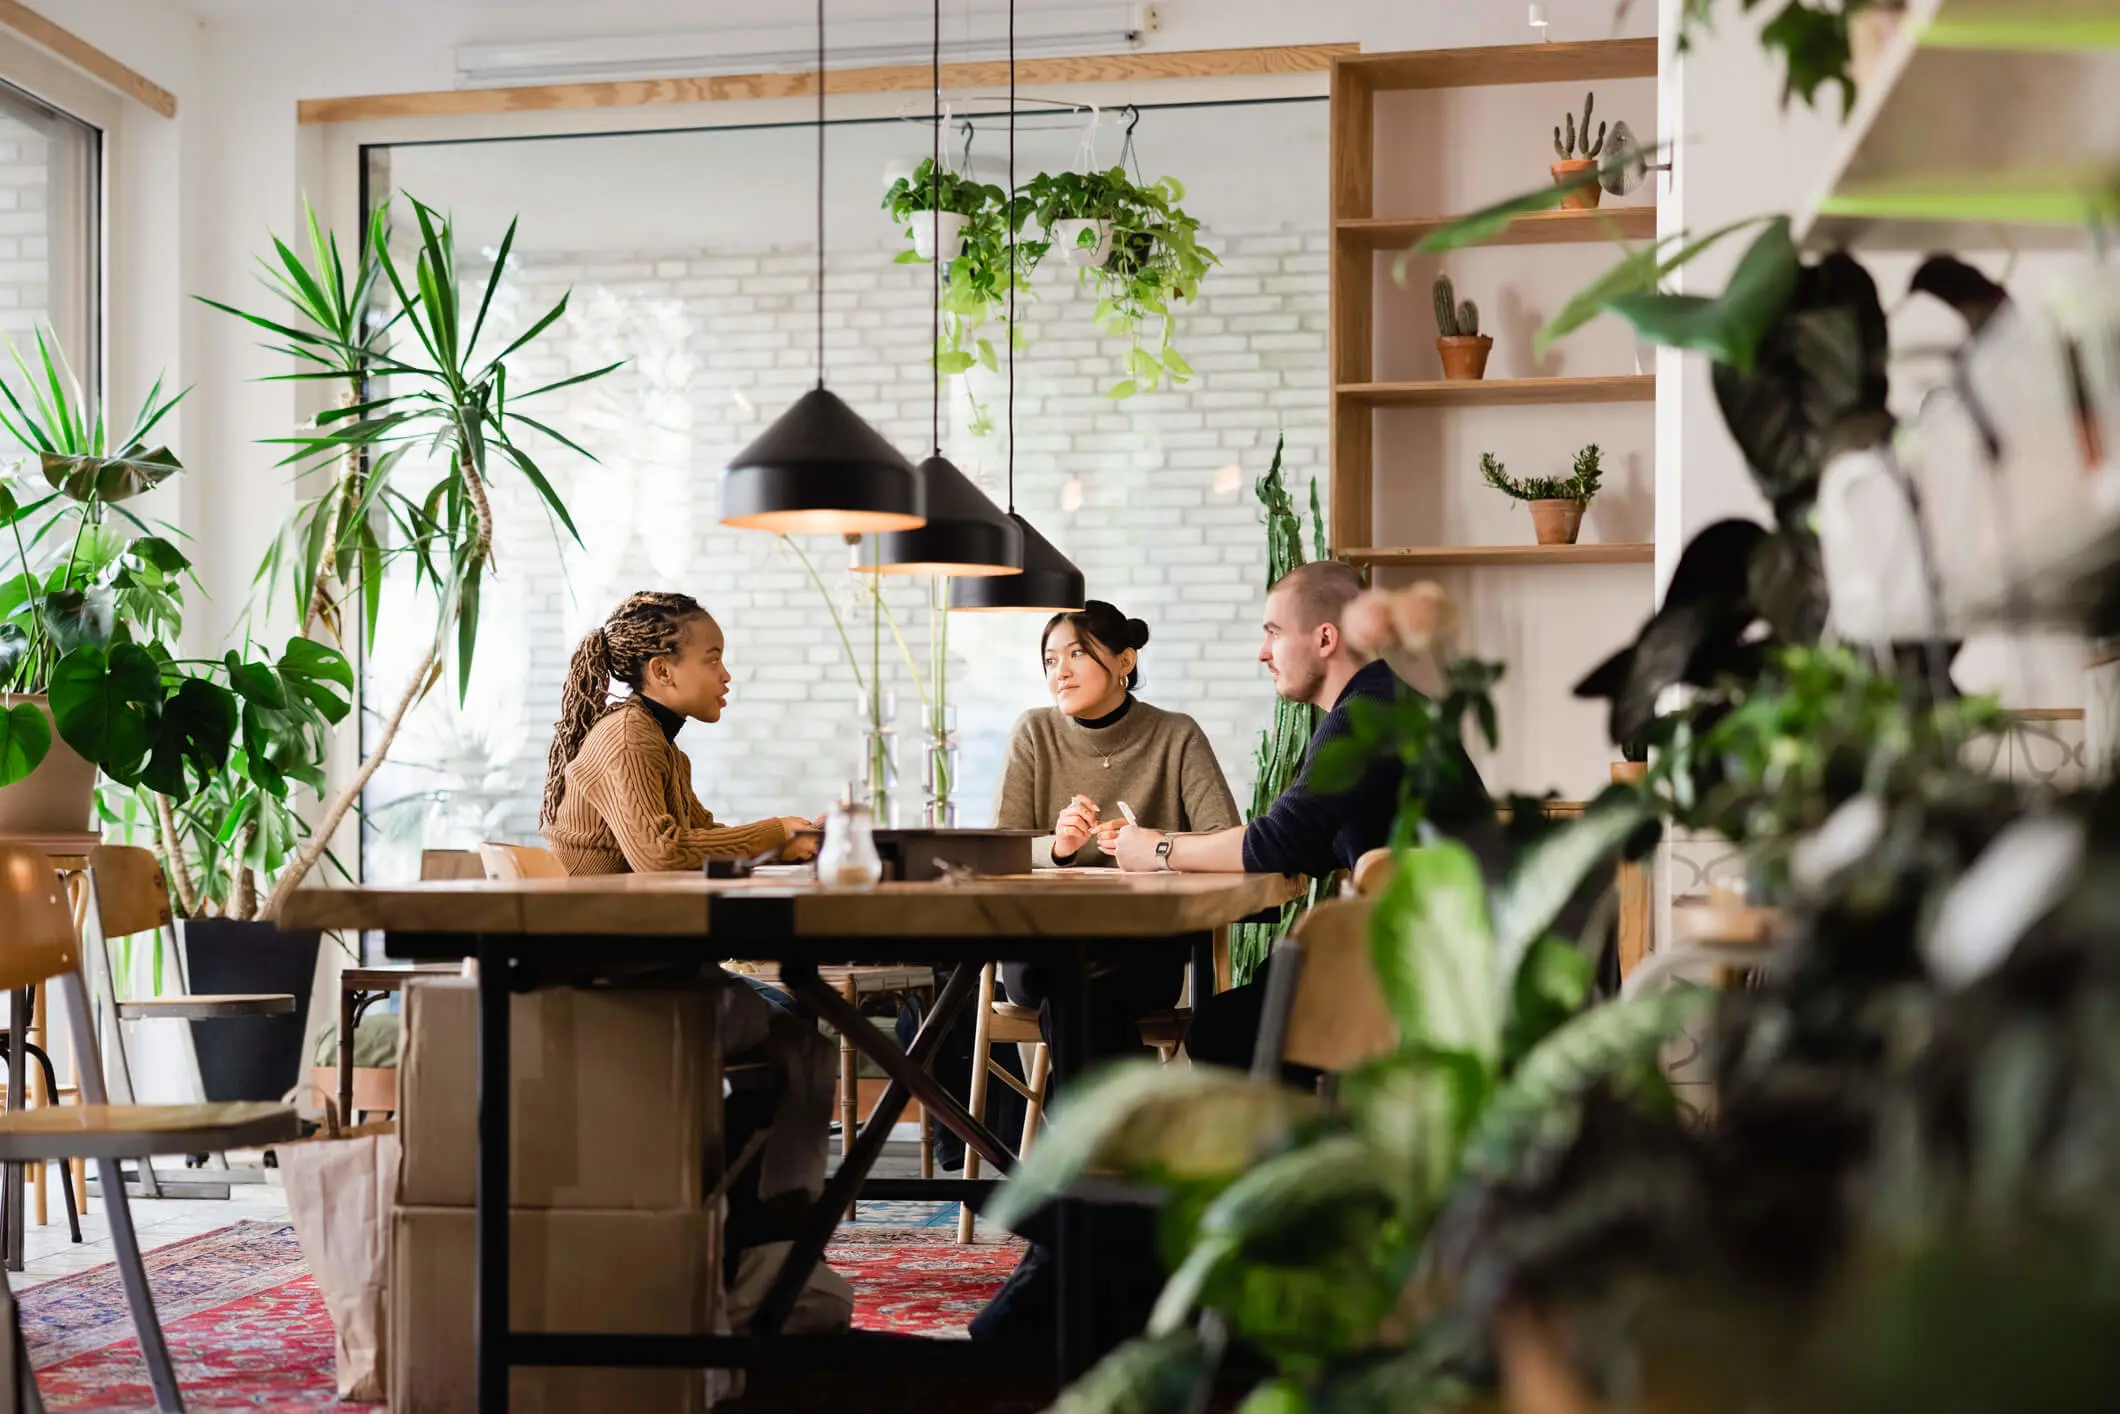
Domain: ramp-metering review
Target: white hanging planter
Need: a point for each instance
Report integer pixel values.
(1869, 541)
(1069, 239)
(948, 226)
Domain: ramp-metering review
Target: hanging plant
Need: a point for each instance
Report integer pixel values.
(975, 287)
(1151, 261)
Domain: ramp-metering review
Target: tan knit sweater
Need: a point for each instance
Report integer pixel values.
(1158, 762)
(629, 806)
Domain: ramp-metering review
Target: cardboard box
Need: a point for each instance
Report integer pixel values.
(616, 1105)
(570, 1270)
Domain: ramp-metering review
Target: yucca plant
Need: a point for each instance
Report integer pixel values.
(92, 611)
(443, 398)
(1305, 1232)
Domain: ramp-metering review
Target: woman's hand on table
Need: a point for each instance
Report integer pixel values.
(800, 846)
(1076, 827)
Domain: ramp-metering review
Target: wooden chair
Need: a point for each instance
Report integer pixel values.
(37, 942)
(1323, 1007)
(69, 1181)
(1003, 1023)
(520, 861)
(127, 894)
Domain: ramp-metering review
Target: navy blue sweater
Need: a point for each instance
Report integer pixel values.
(1304, 833)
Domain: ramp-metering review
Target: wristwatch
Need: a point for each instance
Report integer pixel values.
(1163, 855)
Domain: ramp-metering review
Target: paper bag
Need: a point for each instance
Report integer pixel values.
(339, 1192)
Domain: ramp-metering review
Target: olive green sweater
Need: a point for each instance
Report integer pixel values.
(1158, 762)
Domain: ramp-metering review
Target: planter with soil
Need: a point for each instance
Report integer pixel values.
(1459, 342)
(58, 797)
(249, 1057)
(1557, 522)
(1578, 153)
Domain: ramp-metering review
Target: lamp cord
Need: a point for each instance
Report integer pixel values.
(935, 248)
(820, 193)
(1009, 218)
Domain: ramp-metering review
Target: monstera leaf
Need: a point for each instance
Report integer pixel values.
(25, 739)
(133, 471)
(107, 705)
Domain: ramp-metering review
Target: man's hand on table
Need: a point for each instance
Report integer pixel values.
(1135, 850)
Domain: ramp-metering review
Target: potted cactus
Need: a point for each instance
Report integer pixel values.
(1557, 503)
(1463, 347)
(1578, 165)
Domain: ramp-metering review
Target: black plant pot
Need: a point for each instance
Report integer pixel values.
(249, 1057)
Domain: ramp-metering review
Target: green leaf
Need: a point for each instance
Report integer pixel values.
(1639, 272)
(1434, 953)
(307, 658)
(1122, 390)
(466, 632)
(1276, 1397)
(76, 618)
(951, 364)
(1550, 872)
(154, 550)
(255, 682)
(14, 645)
(1414, 1109)
(1175, 363)
(105, 705)
(1338, 766)
(1277, 1209)
(1551, 987)
(117, 478)
(1155, 1121)
(25, 739)
(1537, 1111)
(198, 729)
(1157, 1375)
(1729, 327)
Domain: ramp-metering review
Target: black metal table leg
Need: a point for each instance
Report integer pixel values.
(822, 1220)
(489, 1301)
(1068, 1005)
(17, 1099)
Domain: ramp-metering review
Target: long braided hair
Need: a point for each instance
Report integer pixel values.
(647, 626)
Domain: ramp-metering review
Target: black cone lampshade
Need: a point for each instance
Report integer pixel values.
(821, 470)
(966, 536)
(1049, 584)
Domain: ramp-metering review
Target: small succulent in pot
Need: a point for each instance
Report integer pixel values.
(1578, 151)
(1459, 342)
(1557, 502)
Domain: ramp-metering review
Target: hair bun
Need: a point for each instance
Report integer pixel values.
(1136, 634)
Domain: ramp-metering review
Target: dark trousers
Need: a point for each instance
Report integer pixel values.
(1118, 999)
(1225, 1032)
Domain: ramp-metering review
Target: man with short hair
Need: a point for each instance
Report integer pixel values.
(1311, 661)
(1304, 832)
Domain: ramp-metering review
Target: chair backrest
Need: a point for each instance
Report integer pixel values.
(1338, 1018)
(451, 864)
(131, 891)
(520, 861)
(1374, 871)
(36, 924)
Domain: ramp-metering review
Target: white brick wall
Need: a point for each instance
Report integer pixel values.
(717, 343)
(25, 273)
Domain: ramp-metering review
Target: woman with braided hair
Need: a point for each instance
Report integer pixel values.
(619, 799)
(618, 792)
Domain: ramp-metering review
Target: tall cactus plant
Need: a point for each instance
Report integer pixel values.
(1573, 142)
(1454, 320)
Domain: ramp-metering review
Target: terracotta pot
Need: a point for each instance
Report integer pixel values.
(1465, 359)
(1583, 198)
(1557, 522)
(56, 798)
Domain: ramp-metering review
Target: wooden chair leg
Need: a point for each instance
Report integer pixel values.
(982, 1045)
(1034, 1107)
(40, 1095)
(133, 1271)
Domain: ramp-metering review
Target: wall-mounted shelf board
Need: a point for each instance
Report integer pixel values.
(1454, 556)
(1986, 123)
(1501, 64)
(1503, 392)
(1609, 223)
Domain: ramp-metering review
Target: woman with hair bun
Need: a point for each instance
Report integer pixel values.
(1072, 764)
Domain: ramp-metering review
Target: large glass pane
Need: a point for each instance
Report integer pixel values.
(48, 238)
(691, 256)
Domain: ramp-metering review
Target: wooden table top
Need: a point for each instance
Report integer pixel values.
(1055, 903)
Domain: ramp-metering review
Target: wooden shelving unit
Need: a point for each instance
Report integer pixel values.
(1459, 556)
(1359, 232)
(1502, 392)
(1632, 223)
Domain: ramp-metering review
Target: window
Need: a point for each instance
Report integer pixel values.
(50, 213)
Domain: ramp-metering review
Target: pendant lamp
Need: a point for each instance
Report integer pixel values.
(966, 535)
(1049, 583)
(820, 469)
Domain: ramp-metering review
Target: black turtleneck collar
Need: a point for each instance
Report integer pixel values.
(1109, 719)
(668, 720)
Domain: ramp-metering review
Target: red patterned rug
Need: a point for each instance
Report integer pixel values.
(248, 1330)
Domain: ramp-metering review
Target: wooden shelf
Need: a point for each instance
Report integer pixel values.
(1500, 64)
(1609, 223)
(1504, 392)
(1983, 117)
(1448, 556)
